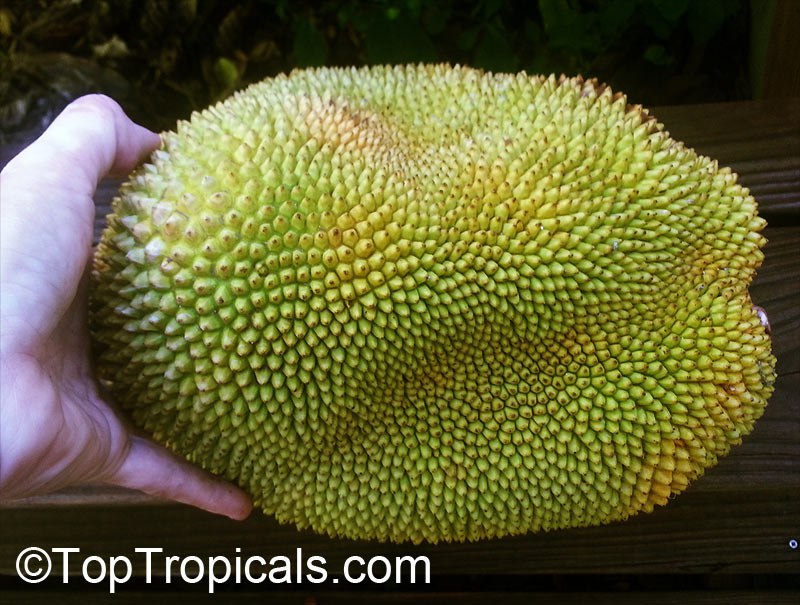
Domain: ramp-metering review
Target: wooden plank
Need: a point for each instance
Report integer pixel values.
(777, 289)
(307, 597)
(760, 140)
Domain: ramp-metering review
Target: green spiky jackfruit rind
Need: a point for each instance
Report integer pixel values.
(431, 303)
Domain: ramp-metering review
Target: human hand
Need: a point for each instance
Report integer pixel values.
(55, 429)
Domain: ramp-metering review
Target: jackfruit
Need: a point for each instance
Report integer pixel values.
(429, 303)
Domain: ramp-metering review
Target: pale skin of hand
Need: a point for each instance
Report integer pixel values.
(55, 429)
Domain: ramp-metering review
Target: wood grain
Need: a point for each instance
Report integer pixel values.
(776, 288)
(759, 140)
(348, 597)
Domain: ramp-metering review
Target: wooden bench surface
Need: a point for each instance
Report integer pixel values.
(730, 530)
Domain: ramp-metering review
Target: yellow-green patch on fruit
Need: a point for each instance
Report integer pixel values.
(433, 303)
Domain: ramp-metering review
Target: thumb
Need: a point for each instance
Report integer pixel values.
(154, 470)
(47, 212)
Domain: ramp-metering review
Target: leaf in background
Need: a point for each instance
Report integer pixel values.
(400, 40)
(534, 56)
(392, 13)
(414, 8)
(706, 18)
(468, 38)
(187, 9)
(113, 48)
(491, 8)
(655, 21)
(435, 17)
(672, 10)
(356, 16)
(658, 55)
(230, 29)
(533, 32)
(568, 29)
(168, 50)
(226, 74)
(494, 52)
(6, 22)
(614, 17)
(564, 26)
(310, 47)
(281, 7)
(557, 17)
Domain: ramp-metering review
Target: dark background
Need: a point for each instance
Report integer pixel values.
(162, 59)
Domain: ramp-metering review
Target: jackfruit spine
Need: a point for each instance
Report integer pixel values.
(430, 303)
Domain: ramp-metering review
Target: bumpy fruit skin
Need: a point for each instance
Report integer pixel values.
(431, 303)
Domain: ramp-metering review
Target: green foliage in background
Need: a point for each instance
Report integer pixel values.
(164, 58)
